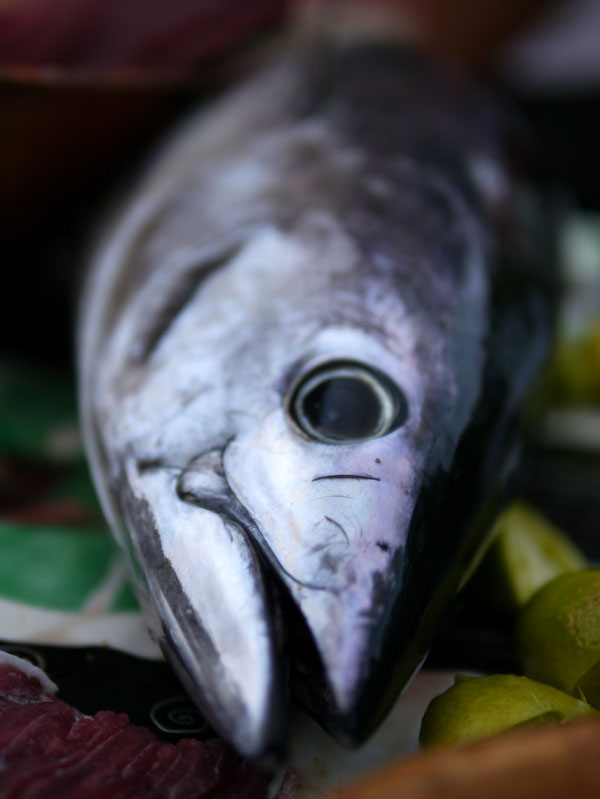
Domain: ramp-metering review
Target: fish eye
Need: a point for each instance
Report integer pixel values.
(347, 402)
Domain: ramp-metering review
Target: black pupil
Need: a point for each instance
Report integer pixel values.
(343, 407)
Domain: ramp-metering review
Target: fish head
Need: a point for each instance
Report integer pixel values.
(349, 409)
(282, 426)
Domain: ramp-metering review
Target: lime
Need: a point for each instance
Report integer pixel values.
(558, 634)
(526, 552)
(479, 707)
(588, 686)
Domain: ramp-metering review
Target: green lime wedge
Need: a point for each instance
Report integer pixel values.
(526, 552)
(479, 707)
(558, 634)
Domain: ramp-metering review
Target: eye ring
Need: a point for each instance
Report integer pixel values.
(346, 402)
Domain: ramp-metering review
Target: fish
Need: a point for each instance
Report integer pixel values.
(306, 340)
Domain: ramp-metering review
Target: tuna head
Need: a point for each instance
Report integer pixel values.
(272, 382)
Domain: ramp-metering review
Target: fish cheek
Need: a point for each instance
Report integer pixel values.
(317, 507)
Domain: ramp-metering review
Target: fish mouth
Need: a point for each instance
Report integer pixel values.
(246, 619)
(329, 627)
(339, 693)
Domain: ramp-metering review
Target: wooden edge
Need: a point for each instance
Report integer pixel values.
(546, 763)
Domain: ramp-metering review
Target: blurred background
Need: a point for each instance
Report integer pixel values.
(86, 87)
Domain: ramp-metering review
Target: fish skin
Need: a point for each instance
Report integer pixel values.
(356, 206)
